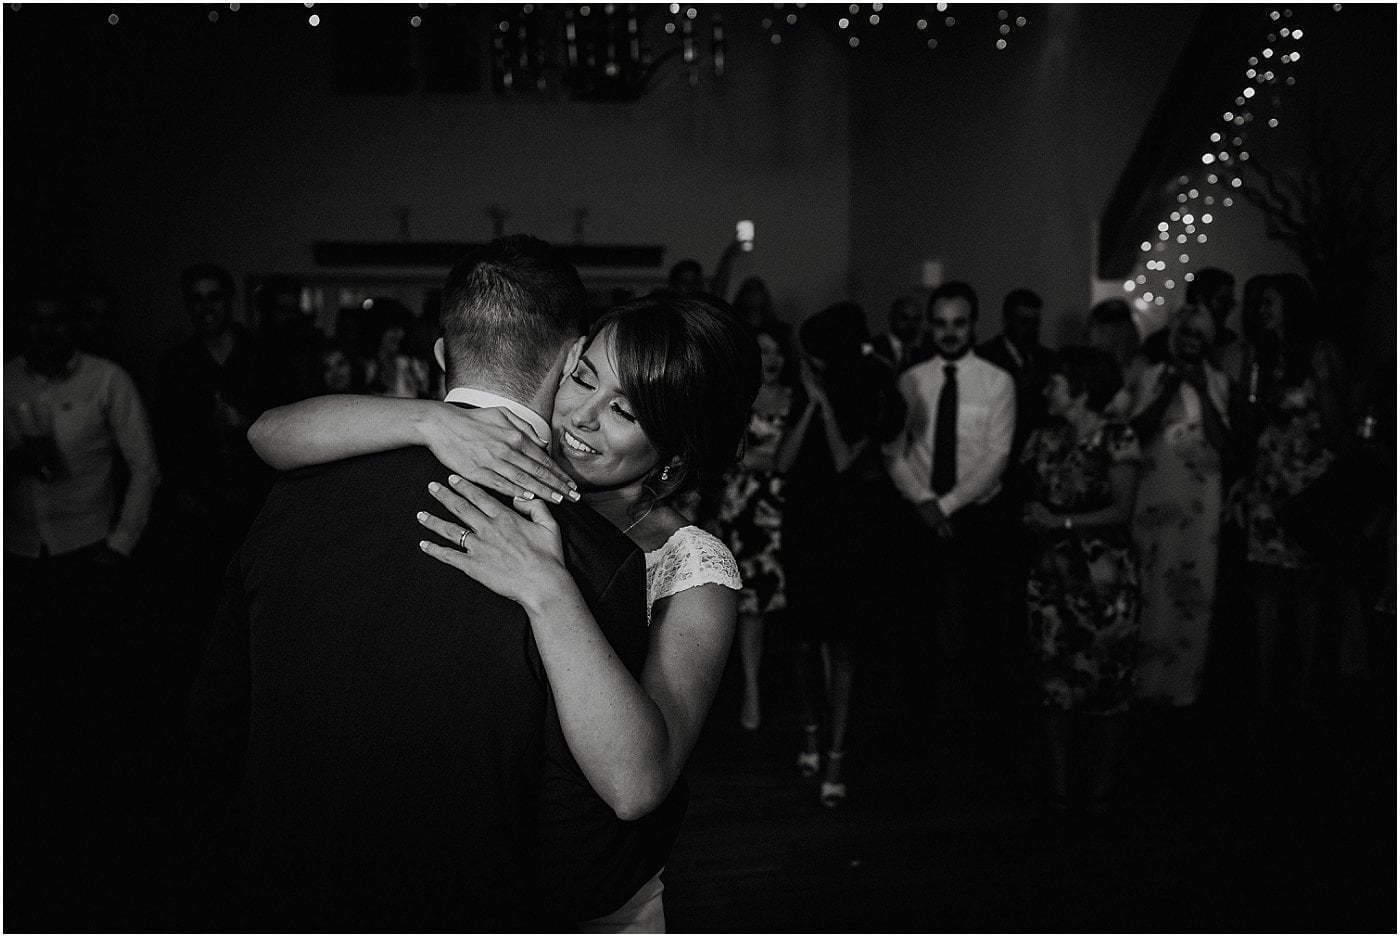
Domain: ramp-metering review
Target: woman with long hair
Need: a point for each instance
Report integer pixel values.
(653, 402)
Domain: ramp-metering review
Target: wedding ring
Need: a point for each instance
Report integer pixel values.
(462, 540)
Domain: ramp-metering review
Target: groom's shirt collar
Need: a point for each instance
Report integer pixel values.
(484, 398)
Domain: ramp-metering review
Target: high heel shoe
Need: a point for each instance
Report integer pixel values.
(833, 793)
(809, 760)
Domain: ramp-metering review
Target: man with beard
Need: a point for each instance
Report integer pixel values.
(948, 463)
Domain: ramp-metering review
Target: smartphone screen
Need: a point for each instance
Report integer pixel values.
(743, 233)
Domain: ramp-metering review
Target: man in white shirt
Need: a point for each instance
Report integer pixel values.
(948, 463)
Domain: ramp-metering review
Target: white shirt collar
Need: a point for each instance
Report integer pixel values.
(484, 398)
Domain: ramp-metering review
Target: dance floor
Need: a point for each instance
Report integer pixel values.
(1221, 825)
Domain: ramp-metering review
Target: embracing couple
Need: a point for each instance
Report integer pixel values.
(467, 647)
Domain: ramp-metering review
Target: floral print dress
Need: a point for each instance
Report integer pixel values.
(750, 519)
(1292, 453)
(1082, 594)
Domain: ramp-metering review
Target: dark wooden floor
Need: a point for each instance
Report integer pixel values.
(1227, 821)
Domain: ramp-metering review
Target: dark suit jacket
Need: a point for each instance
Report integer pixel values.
(403, 767)
(1030, 401)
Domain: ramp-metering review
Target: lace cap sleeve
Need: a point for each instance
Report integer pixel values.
(690, 558)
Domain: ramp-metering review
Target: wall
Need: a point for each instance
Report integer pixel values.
(176, 150)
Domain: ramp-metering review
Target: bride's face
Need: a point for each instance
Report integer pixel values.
(597, 438)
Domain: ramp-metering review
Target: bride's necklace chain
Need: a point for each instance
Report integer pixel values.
(629, 527)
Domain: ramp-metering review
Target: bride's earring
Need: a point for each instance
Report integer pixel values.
(666, 473)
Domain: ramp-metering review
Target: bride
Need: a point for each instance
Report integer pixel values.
(653, 402)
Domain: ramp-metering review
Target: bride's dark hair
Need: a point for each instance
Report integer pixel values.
(690, 369)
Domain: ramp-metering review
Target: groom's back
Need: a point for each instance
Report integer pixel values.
(398, 709)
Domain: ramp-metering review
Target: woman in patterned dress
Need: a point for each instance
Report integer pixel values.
(1180, 413)
(1304, 420)
(653, 401)
(750, 514)
(1082, 594)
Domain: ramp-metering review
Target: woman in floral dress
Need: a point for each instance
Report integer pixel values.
(1180, 412)
(750, 514)
(1082, 595)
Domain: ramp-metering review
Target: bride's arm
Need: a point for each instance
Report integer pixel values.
(491, 446)
(630, 738)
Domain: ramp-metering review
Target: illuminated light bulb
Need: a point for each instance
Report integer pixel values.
(1214, 138)
(1235, 183)
(1163, 236)
(1189, 277)
(1268, 53)
(1289, 81)
(1020, 21)
(1210, 200)
(766, 23)
(611, 69)
(314, 20)
(1212, 178)
(1160, 300)
(1207, 158)
(1252, 73)
(1004, 29)
(854, 41)
(1139, 303)
(1200, 238)
(950, 22)
(1274, 16)
(854, 8)
(921, 25)
(792, 19)
(691, 13)
(415, 21)
(1190, 229)
(776, 39)
(503, 26)
(1129, 285)
(1140, 279)
(213, 16)
(113, 19)
(1001, 43)
(1176, 216)
(933, 43)
(1189, 219)
(1193, 193)
(584, 11)
(1296, 56)
(670, 28)
(1284, 32)
(675, 8)
(1147, 296)
(1181, 239)
(1229, 115)
(1170, 284)
(1297, 34)
(1002, 14)
(1253, 60)
(1269, 76)
(942, 7)
(1283, 59)
(1207, 218)
(874, 19)
(1147, 245)
(233, 7)
(1162, 226)
(1228, 201)
(1181, 198)
(842, 23)
(1244, 155)
(1336, 8)
(1273, 121)
(1249, 92)
(1182, 180)
(877, 7)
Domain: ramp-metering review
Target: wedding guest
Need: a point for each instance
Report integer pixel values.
(389, 369)
(287, 332)
(336, 371)
(1082, 593)
(948, 464)
(833, 544)
(750, 514)
(905, 343)
(1018, 352)
(754, 305)
(1302, 402)
(1182, 415)
(1212, 290)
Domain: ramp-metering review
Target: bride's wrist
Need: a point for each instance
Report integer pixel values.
(553, 594)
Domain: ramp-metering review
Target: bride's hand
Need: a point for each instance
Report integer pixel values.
(521, 558)
(495, 448)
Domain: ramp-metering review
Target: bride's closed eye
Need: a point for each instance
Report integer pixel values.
(581, 378)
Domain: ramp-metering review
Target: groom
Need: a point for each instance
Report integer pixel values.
(388, 719)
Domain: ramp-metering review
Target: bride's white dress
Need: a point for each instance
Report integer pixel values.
(690, 557)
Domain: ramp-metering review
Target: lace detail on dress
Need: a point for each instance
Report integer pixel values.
(689, 558)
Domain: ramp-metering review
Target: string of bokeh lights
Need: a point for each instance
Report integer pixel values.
(1164, 259)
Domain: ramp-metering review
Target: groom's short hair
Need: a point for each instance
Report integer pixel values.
(507, 309)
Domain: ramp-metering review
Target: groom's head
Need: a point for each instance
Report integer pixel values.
(510, 311)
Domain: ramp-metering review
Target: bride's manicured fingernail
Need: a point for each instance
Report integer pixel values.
(422, 515)
(526, 496)
(434, 487)
(558, 498)
(574, 495)
(454, 480)
(423, 545)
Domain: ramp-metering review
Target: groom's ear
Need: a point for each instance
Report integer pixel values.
(438, 355)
